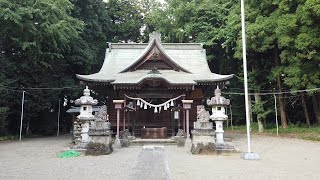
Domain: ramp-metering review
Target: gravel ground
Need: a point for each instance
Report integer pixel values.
(281, 158)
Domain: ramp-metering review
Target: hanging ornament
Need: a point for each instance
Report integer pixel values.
(168, 105)
(159, 109)
(138, 103)
(165, 107)
(155, 110)
(145, 106)
(172, 103)
(141, 104)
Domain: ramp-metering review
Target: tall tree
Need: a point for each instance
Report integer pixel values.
(34, 38)
(88, 52)
(126, 20)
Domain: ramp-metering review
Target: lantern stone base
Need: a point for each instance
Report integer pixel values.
(203, 125)
(201, 148)
(101, 139)
(225, 148)
(250, 156)
(80, 147)
(202, 141)
(204, 136)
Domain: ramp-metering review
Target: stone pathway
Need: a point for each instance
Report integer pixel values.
(151, 163)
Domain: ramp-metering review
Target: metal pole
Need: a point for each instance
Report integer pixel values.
(275, 108)
(231, 117)
(58, 130)
(228, 118)
(245, 74)
(22, 104)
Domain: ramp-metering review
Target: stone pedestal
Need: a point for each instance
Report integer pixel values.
(219, 131)
(204, 136)
(100, 132)
(84, 132)
(203, 133)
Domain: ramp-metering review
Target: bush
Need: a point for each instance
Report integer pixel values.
(3, 120)
(97, 149)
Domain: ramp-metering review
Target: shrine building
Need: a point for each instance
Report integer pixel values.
(153, 79)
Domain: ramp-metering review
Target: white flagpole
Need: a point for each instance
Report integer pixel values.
(248, 155)
(22, 104)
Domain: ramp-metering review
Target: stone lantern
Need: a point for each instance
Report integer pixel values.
(218, 104)
(85, 102)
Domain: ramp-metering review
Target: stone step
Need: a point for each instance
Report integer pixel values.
(161, 142)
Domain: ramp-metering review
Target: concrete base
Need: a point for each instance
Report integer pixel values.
(117, 144)
(249, 156)
(188, 144)
(225, 148)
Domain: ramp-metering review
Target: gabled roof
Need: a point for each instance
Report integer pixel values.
(122, 62)
(154, 51)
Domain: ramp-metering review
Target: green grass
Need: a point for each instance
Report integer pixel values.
(293, 131)
(8, 138)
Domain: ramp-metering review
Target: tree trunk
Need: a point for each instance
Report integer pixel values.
(279, 86)
(316, 108)
(250, 108)
(305, 109)
(260, 120)
(28, 126)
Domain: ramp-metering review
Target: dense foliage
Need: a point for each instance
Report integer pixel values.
(43, 44)
(282, 51)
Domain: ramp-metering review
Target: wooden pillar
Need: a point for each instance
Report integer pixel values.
(128, 119)
(124, 120)
(172, 123)
(187, 107)
(118, 124)
(134, 124)
(124, 117)
(187, 123)
(118, 106)
(184, 121)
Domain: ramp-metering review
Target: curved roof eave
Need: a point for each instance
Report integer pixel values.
(85, 78)
(155, 41)
(221, 78)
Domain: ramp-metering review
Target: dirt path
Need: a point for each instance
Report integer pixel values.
(281, 158)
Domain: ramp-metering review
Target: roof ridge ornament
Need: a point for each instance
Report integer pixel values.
(155, 36)
(154, 71)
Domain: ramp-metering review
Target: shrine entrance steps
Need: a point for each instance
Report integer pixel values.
(151, 164)
(142, 142)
